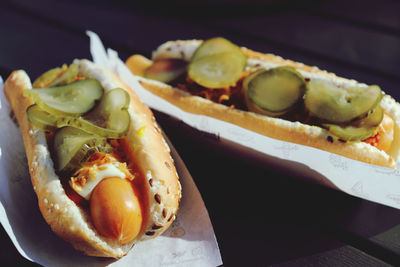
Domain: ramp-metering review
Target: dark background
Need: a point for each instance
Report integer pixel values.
(262, 215)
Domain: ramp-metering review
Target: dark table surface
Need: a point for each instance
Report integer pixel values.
(261, 215)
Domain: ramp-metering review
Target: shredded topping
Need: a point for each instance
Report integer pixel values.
(373, 140)
(230, 96)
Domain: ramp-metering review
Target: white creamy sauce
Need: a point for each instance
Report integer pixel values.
(96, 175)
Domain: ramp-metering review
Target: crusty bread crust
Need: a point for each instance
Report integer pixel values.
(295, 132)
(148, 149)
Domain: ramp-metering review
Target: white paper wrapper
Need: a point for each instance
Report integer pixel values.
(374, 183)
(190, 241)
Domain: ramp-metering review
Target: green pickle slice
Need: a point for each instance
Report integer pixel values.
(110, 118)
(73, 99)
(217, 63)
(274, 91)
(359, 129)
(350, 133)
(46, 78)
(41, 119)
(67, 76)
(373, 118)
(166, 70)
(57, 76)
(338, 105)
(73, 147)
(217, 71)
(217, 45)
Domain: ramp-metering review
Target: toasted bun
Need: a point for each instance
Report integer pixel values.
(158, 182)
(294, 132)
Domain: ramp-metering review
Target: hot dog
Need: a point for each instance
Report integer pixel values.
(98, 162)
(275, 97)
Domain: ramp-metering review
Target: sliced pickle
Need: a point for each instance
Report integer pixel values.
(250, 77)
(67, 76)
(359, 129)
(73, 99)
(46, 78)
(217, 45)
(73, 147)
(337, 105)
(41, 119)
(166, 70)
(350, 133)
(217, 63)
(275, 91)
(373, 118)
(109, 118)
(217, 71)
(112, 112)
